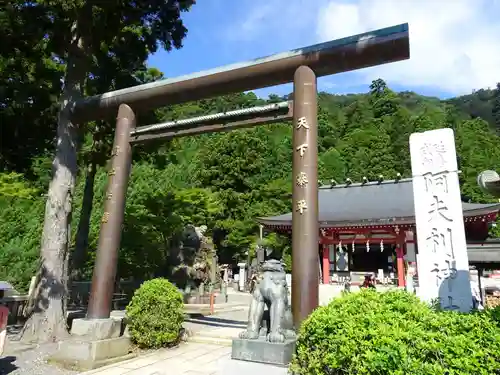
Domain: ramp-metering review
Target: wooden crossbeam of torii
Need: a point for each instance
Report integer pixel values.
(218, 122)
(301, 66)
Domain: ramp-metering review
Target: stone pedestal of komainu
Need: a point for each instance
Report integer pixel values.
(270, 335)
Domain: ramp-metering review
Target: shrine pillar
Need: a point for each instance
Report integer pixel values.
(326, 264)
(400, 263)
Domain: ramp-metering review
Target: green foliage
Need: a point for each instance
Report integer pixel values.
(478, 149)
(20, 234)
(155, 215)
(12, 185)
(155, 314)
(332, 165)
(366, 154)
(30, 81)
(106, 45)
(481, 103)
(282, 248)
(21, 217)
(154, 225)
(495, 314)
(394, 333)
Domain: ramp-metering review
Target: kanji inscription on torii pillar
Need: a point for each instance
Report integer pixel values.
(301, 179)
(305, 229)
(302, 149)
(443, 265)
(302, 123)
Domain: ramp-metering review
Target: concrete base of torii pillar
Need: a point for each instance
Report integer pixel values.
(95, 343)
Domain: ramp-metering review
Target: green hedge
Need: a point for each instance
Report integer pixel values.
(394, 333)
(155, 314)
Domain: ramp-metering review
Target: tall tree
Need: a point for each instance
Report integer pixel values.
(367, 154)
(84, 35)
(496, 106)
(29, 85)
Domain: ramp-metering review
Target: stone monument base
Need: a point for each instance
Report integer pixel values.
(263, 351)
(94, 343)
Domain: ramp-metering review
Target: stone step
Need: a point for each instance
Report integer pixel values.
(210, 340)
(205, 309)
(220, 333)
(189, 309)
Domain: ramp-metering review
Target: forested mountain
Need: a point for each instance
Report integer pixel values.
(225, 180)
(478, 104)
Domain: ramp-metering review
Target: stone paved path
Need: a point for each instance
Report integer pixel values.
(188, 359)
(212, 356)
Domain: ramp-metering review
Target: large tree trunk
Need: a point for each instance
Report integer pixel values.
(48, 316)
(47, 313)
(82, 234)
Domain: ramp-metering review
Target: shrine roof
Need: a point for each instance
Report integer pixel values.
(372, 203)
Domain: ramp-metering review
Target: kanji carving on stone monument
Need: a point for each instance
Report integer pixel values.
(438, 240)
(444, 270)
(433, 154)
(438, 209)
(444, 265)
(436, 182)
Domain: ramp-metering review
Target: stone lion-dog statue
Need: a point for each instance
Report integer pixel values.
(271, 291)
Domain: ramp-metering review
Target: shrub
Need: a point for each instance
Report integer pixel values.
(155, 314)
(494, 312)
(394, 333)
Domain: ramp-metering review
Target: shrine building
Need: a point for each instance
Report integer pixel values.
(370, 228)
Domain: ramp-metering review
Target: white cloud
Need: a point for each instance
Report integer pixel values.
(252, 22)
(270, 20)
(454, 44)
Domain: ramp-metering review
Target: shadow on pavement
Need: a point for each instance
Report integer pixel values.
(7, 366)
(216, 322)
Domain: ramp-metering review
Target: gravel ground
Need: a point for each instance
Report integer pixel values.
(20, 359)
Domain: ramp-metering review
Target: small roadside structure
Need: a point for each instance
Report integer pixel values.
(4, 314)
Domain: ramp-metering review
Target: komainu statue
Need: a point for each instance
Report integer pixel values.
(271, 291)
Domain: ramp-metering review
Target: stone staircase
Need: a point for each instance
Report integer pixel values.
(216, 329)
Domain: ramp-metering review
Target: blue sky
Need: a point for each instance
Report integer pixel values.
(455, 44)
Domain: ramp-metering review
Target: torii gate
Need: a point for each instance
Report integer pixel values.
(302, 66)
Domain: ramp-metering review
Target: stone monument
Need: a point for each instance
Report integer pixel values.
(270, 336)
(443, 266)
